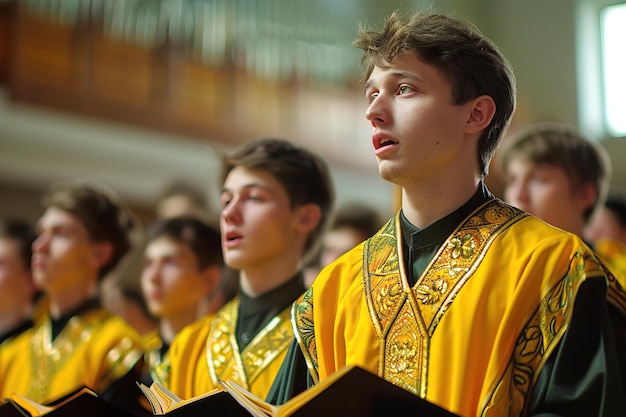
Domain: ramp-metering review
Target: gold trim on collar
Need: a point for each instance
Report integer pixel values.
(405, 318)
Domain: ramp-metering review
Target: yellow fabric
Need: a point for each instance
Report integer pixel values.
(206, 352)
(613, 253)
(94, 349)
(157, 366)
(471, 323)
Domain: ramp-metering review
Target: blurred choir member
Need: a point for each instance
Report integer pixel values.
(81, 237)
(182, 269)
(607, 231)
(17, 290)
(351, 224)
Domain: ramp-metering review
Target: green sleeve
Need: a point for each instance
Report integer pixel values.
(293, 377)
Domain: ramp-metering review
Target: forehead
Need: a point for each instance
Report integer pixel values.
(240, 178)
(409, 65)
(165, 246)
(57, 218)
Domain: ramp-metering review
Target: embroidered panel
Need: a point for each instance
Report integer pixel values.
(405, 318)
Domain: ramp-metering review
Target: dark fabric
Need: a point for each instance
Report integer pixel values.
(125, 393)
(21, 327)
(293, 377)
(59, 324)
(589, 388)
(421, 245)
(255, 313)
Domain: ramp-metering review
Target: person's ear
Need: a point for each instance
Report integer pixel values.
(587, 196)
(210, 278)
(102, 253)
(309, 216)
(481, 112)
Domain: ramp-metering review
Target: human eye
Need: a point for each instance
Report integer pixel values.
(225, 199)
(370, 97)
(405, 89)
(255, 196)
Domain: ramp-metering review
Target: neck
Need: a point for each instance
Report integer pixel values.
(68, 299)
(10, 319)
(171, 325)
(424, 204)
(257, 281)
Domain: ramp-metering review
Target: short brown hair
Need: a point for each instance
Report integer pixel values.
(102, 214)
(556, 144)
(468, 60)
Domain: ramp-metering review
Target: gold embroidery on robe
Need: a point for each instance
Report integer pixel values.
(405, 318)
(539, 338)
(303, 329)
(49, 357)
(222, 353)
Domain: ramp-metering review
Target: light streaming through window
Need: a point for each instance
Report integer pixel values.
(614, 67)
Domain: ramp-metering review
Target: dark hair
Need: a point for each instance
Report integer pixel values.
(303, 174)
(556, 144)
(99, 210)
(468, 60)
(202, 239)
(21, 232)
(617, 205)
(360, 217)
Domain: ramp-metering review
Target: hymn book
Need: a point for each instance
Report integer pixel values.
(216, 403)
(82, 402)
(351, 391)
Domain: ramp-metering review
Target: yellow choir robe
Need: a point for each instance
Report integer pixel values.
(474, 331)
(94, 349)
(206, 352)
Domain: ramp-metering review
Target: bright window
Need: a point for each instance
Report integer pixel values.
(614, 67)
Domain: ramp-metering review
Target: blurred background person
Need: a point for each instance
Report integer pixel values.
(81, 237)
(553, 172)
(182, 198)
(17, 291)
(609, 220)
(607, 232)
(128, 303)
(350, 225)
(182, 269)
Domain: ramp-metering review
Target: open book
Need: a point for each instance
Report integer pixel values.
(83, 401)
(350, 391)
(8, 409)
(218, 402)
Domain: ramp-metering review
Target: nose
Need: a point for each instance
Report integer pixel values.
(151, 273)
(516, 193)
(231, 213)
(376, 112)
(41, 243)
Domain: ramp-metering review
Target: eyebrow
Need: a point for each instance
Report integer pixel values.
(396, 75)
(248, 186)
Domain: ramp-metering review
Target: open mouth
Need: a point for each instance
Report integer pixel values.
(383, 141)
(232, 237)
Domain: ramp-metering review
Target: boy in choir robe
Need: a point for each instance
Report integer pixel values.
(17, 291)
(276, 198)
(182, 269)
(606, 230)
(460, 298)
(81, 237)
(609, 220)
